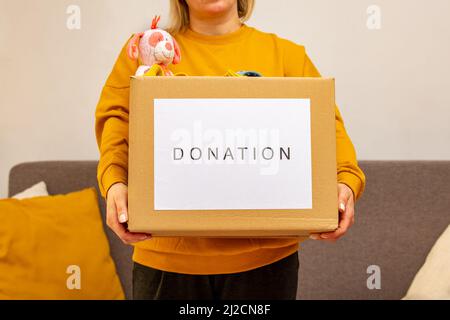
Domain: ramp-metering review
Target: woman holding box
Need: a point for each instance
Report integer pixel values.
(213, 38)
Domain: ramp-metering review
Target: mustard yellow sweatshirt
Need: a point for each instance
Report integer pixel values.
(244, 49)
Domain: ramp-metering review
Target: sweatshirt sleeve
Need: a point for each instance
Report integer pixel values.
(348, 171)
(111, 124)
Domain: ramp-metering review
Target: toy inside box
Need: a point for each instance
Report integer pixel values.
(232, 156)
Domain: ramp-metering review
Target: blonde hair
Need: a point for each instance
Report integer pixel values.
(179, 14)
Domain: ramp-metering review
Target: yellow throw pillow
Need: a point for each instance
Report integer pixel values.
(55, 248)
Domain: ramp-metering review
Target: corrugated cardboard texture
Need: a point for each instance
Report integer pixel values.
(232, 223)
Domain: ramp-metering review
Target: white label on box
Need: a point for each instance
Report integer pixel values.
(212, 154)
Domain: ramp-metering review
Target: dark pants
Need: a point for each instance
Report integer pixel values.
(275, 281)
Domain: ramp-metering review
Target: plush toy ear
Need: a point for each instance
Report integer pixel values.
(177, 57)
(133, 46)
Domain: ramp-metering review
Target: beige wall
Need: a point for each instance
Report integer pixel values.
(392, 84)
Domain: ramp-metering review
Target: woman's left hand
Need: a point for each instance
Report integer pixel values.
(346, 205)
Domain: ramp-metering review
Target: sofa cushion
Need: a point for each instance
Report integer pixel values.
(37, 190)
(432, 282)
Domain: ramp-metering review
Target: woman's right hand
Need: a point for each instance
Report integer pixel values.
(117, 214)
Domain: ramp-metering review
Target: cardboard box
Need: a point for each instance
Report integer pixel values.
(232, 157)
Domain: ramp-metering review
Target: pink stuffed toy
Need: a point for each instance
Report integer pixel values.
(154, 47)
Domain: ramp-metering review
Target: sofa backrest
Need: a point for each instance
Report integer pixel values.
(405, 208)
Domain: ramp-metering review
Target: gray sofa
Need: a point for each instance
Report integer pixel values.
(405, 208)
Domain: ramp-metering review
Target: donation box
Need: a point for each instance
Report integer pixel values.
(232, 156)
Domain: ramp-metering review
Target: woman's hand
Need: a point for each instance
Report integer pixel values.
(117, 214)
(346, 205)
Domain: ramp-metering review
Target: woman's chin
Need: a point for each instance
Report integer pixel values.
(216, 7)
